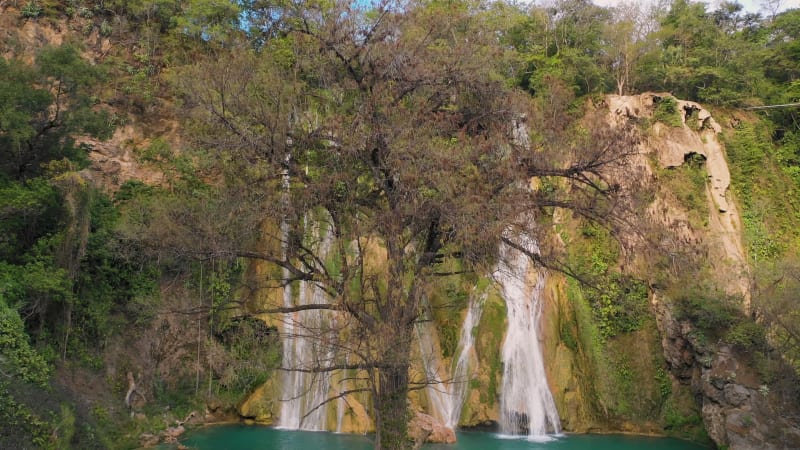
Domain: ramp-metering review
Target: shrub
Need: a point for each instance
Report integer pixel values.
(31, 10)
(747, 336)
(711, 311)
(105, 28)
(667, 112)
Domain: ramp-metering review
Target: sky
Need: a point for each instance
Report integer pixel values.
(749, 5)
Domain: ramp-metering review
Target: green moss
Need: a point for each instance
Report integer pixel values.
(488, 343)
(448, 299)
(678, 419)
(567, 334)
(618, 303)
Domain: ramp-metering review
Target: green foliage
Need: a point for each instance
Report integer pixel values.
(762, 244)
(620, 306)
(59, 260)
(19, 358)
(111, 280)
(664, 383)
(623, 382)
(20, 423)
(105, 28)
(567, 336)
(447, 315)
(622, 379)
(179, 169)
(676, 419)
(488, 344)
(209, 20)
(554, 53)
(65, 427)
(688, 183)
(747, 336)
(710, 310)
(705, 56)
(31, 10)
(568, 47)
(21, 101)
(718, 315)
(42, 106)
(29, 210)
(667, 112)
(132, 189)
(589, 338)
(619, 303)
(747, 147)
(254, 351)
(762, 172)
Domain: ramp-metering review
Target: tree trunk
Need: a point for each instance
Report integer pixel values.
(392, 409)
(391, 395)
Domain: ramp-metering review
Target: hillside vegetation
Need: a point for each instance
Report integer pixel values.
(163, 162)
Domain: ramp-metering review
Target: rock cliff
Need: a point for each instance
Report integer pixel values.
(739, 408)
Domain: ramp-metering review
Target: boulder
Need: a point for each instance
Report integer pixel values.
(172, 434)
(426, 428)
(148, 440)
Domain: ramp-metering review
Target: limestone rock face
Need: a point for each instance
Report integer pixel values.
(259, 405)
(425, 428)
(738, 411)
(676, 144)
(114, 161)
(356, 420)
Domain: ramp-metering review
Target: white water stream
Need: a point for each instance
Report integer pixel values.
(526, 404)
(303, 391)
(446, 397)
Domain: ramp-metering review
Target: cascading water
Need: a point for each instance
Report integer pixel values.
(304, 392)
(526, 404)
(460, 372)
(341, 402)
(447, 398)
(438, 393)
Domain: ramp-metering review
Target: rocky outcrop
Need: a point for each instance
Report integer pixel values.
(355, 419)
(738, 409)
(171, 434)
(425, 428)
(672, 146)
(259, 405)
(114, 161)
(740, 413)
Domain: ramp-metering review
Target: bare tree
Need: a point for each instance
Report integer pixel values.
(393, 129)
(625, 38)
(772, 7)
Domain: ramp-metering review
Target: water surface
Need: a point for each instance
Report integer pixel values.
(244, 437)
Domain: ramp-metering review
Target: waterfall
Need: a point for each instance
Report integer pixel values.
(447, 398)
(438, 393)
(461, 376)
(526, 404)
(304, 392)
(341, 402)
